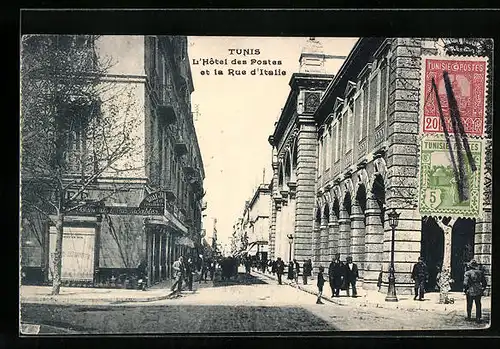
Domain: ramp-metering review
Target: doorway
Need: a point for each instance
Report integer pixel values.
(462, 250)
(432, 250)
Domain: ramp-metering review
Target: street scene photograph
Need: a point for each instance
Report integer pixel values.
(275, 185)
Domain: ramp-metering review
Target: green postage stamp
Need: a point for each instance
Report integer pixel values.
(451, 181)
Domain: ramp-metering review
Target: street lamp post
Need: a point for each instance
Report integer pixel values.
(290, 240)
(391, 290)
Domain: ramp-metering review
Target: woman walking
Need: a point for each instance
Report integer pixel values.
(290, 275)
(296, 271)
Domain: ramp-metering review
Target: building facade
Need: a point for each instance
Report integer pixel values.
(149, 214)
(251, 230)
(369, 162)
(294, 157)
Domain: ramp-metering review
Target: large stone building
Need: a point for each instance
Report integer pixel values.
(363, 160)
(151, 213)
(294, 157)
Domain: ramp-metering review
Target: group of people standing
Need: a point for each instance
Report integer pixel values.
(184, 272)
(293, 270)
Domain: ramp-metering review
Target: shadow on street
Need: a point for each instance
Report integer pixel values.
(174, 319)
(240, 280)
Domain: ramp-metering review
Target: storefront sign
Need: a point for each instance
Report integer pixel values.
(120, 210)
(156, 198)
(77, 253)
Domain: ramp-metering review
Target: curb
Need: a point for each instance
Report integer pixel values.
(359, 304)
(55, 299)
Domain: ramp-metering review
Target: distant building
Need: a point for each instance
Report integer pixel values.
(254, 225)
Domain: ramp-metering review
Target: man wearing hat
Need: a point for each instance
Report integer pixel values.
(420, 275)
(474, 286)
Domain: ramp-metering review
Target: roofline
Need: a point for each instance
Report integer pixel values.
(286, 115)
(327, 97)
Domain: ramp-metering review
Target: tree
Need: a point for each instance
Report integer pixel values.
(72, 131)
(244, 240)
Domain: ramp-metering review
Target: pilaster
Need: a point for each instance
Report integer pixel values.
(374, 240)
(305, 196)
(345, 233)
(357, 247)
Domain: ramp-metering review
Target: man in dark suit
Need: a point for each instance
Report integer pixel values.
(420, 275)
(280, 269)
(351, 275)
(335, 275)
(474, 285)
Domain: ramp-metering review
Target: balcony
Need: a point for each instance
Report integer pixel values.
(170, 195)
(189, 170)
(166, 113)
(180, 148)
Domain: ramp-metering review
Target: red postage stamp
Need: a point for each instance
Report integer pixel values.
(467, 77)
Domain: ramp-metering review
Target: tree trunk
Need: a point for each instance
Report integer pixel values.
(56, 278)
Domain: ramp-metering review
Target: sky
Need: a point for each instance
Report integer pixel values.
(236, 115)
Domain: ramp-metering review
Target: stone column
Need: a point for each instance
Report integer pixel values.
(161, 259)
(272, 230)
(482, 244)
(274, 193)
(357, 247)
(374, 240)
(402, 159)
(277, 236)
(292, 204)
(323, 258)
(97, 249)
(344, 232)
(149, 254)
(316, 244)
(167, 255)
(306, 173)
(333, 235)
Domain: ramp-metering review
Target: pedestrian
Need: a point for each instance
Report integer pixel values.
(335, 275)
(280, 269)
(420, 275)
(204, 271)
(274, 267)
(310, 267)
(179, 270)
(306, 272)
(320, 283)
(379, 281)
(474, 286)
(248, 265)
(351, 275)
(212, 269)
(189, 273)
(290, 275)
(270, 266)
(296, 266)
(444, 282)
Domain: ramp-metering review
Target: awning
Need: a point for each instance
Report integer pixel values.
(184, 241)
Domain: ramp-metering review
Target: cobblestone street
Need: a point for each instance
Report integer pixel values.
(250, 304)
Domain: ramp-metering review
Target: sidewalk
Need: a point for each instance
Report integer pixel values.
(373, 298)
(71, 295)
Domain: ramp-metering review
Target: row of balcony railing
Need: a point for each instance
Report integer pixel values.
(346, 161)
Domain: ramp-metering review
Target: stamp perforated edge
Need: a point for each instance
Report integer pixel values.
(482, 165)
(423, 61)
